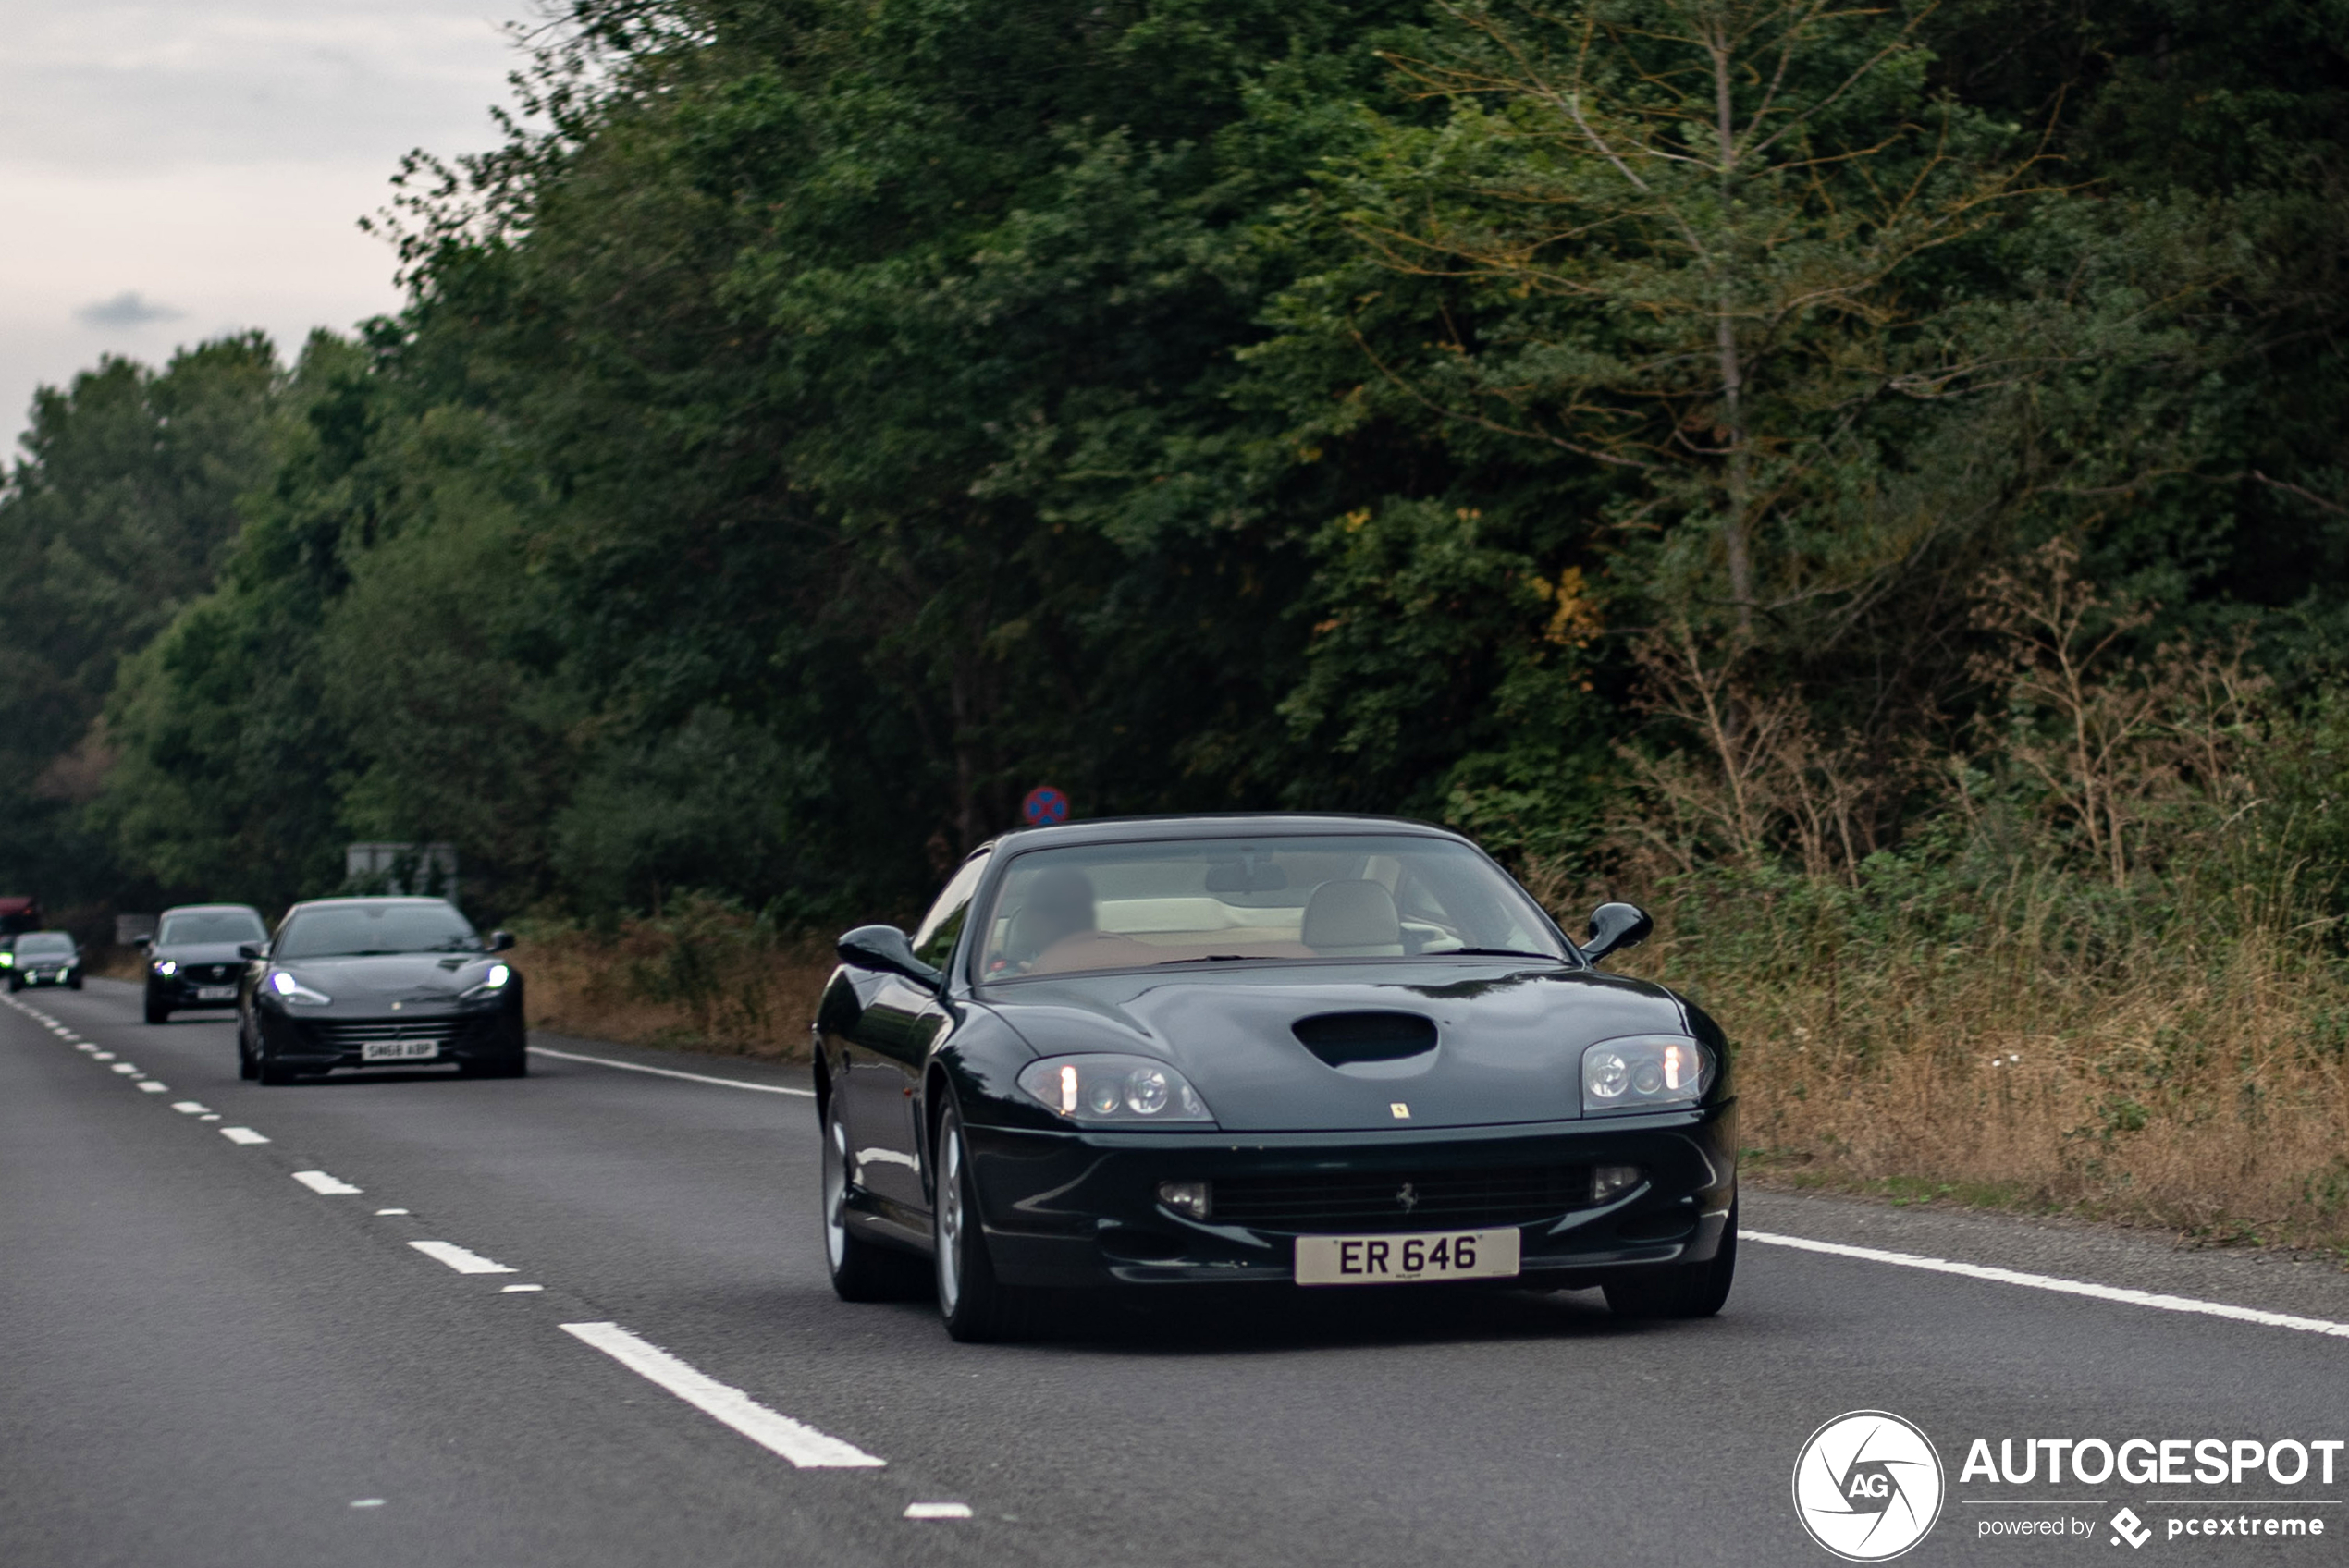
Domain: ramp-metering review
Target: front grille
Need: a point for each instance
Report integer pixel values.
(210, 974)
(1401, 1200)
(349, 1034)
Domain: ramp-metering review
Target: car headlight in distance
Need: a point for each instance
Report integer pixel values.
(293, 991)
(491, 984)
(1644, 1072)
(1117, 1091)
(167, 968)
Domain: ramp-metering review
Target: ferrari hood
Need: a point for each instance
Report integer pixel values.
(1506, 1040)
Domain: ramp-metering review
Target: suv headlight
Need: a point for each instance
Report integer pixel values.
(1121, 1091)
(493, 984)
(167, 968)
(295, 993)
(1644, 1072)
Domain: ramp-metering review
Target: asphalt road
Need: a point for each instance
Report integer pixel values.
(205, 1360)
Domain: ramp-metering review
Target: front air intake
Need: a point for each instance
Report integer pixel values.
(1340, 1038)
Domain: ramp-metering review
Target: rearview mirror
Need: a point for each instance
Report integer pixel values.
(253, 949)
(1615, 927)
(889, 951)
(1246, 876)
(501, 940)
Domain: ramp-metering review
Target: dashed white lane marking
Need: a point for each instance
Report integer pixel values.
(383, 1211)
(520, 1289)
(152, 1087)
(2064, 1287)
(795, 1441)
(366, 1502)
(209, 1116)
(86, 1046)
(242, 1135)
(189, 1108)
(938, 1511)
(124, 1067)
(673, 1072)
(456, 1257)
(319, 1182)
(102, 1056)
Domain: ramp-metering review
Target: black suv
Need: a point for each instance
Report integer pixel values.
(193, 959)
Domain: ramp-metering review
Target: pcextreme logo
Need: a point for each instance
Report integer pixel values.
(1868, 1486)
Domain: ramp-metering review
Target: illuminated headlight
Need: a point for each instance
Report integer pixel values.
(1644, 1072)
(7, 961)
(491, 984)
(295, 993)
(1115, 1090)
(167, 968)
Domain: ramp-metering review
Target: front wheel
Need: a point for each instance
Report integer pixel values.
(977, 1306)
(1679, 1290)
(861, 1271)
(74, 984)
(157, 1013)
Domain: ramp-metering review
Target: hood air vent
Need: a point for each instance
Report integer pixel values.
(1340, 1038)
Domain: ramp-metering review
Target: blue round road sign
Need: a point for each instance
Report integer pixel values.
(1044, 806)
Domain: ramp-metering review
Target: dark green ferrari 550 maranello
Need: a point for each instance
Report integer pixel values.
(1306, 1052)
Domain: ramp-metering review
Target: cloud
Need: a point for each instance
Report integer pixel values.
(128, 308)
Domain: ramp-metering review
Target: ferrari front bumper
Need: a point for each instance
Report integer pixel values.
(1069, 1208)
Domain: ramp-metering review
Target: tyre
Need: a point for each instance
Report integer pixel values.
(517, 1066)
(247, 1067)
(270, 1076)
(1679, 1290)
(74, 984)
(977, 1306)
(861, 1271)
(156, 1011)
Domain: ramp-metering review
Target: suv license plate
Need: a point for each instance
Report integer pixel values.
(215, 993)
(398, 1050)
(1398, 1260)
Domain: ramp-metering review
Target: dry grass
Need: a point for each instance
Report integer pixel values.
(709, 980)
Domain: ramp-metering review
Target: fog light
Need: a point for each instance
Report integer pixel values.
(1192, 1200)
(1609, 1181)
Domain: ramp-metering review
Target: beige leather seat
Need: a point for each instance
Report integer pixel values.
(1352, 920)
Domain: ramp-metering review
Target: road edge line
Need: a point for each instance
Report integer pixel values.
(673, 1072)
(2122, 1293)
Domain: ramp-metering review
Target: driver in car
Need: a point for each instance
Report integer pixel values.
(1060, 905)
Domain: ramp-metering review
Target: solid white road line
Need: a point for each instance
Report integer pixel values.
(242, 1135)
(319, 1182)
(673, 1072)
(456, 1257)
(800, 1444)
(2064, 1286)
(938, 1511)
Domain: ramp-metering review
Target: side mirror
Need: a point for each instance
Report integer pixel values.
(1615, 927)
(144, 944)
(889, 951)
(253, 949)
(501, 940)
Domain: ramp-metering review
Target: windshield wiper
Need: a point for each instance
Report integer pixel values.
(1493, 952)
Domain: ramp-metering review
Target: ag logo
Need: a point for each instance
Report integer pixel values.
(1868, 1486)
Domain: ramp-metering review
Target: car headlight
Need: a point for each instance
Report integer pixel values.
(294, 992)
(167, 968)
(7, 961)
(1644, 1072)
(491, 984)
(1126, 1091)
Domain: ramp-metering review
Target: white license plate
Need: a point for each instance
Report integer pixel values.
(215, 993)
(398, 1050)
(1398, 1260)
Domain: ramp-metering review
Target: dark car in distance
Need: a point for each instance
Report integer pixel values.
(194, 960)
(379, 982)
(43, 958)
(1280, 1051)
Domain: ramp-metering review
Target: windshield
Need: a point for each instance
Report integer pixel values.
(1127, 906)
(45, 944)
(189, 928)
(353, 930)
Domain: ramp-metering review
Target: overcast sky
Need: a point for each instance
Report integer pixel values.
(171, 172)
